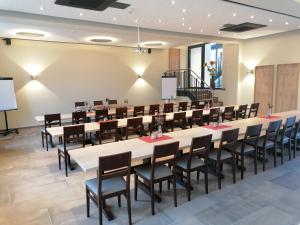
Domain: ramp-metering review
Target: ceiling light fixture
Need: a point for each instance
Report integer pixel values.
(190, 28)
(81, 14)
(42, 8)
(139, 48)
(184, 10)
(182, 18)
(159, 20)
(201, 30)
(209, 15)
(252, 17)
(234, 14)
(286, 23)
(101, 39)
(270, 20)
(136, 20)
(183, 24)
(153, 43)
(30, 33)
(173, 2)
(114, 19)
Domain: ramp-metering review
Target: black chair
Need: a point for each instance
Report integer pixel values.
(121, 112)
(73, 138)
(135, 125)
(179, 120)
(241, 112)
(112, 101)
(228, 113)
(268, 141)
(158, 171)
(248, 146)
(98, 103)
(107, 130)
(154, 109)
(195, 160)
(79, 104)
(101, 114)
(214, 114)
(284, 138)
(182, 106)
(296, 137)
(50, 120)
(79, 117)
(195, 104)
(110, 183)
(197, 118)
(168, 107)
(153, 126)
(225, 152)
(138, 111)
(253, 110)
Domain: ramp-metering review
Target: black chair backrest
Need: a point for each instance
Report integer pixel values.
(164, 154)
(252, 134)
(78, 117)
(74, 134)
(199, 148)
(214, 114)
(52, 120)
(101, 114)
(168, 107)
(118, 165)
(228, 139)
(139, 111)
(242, 111)
(79, 104)
(108, 127)
(121, 112)
(195, 104)
(296, 129)
(272, 130)
(98, 103)
(112, 101)
(154, 109)
(135, 122)
(182, 106)
(228, 113)
(288, 127)
(179, 116)
(253, 109)
(197, 115)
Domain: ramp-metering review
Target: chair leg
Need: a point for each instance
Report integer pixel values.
(275, 156)
(100, 208)
(282, 154)
(255, 161)
(174, 190)
(47, 141)
(51, 141)
(242, 165)
(188, 185)
(43, 143)
(233, 169)
(206, 179)
(87, 203)
(59, 161)
(219, 174)
(264, 160)
(129, 206)
(290, 150)
(160, 187)
(295, 148)
(152, 197)
(135, 187)
(198, 175)
(119, 201)
(66, 164)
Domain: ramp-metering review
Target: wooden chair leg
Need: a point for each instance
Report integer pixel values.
(152, 197)
(255, 161)
(174, 190)
(233, 169)
(290, 150)
(129, 206)
(43, 143)
(282, 154)
(264, 160)
(66, 164)
(119, 201)
(198, 175)
(87, 203)
(188, 185)
(135, 187)
(46, 141)
(59, 161)
(218, 167)
(160, 187)
(242, 165)
(295, 148)
(100, 208)
(206, 179)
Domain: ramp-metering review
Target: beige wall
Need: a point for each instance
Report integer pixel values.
(73, 72)
(272, 50)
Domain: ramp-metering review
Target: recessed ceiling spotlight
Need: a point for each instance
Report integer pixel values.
(100, 39)
(153, 43)
(209, 15)
(286, 23)
(136, 20)
(173, 2)
(81, 14)
(159, 20)
(234, 14)
(182, 18)
(114, 19)
(42, 8)
(252, 17)
(30, 33)
(184, 10)
(270, 20)
(201, 30)
(190, 28)
(182, 24)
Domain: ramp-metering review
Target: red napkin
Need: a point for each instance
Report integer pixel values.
(220, 127)
(99, 122)
(149, 140)
(270, 117)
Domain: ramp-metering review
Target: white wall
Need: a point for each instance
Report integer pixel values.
(272, 50)
(74, 72)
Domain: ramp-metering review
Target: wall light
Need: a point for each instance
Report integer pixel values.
(140, 71)
(250, 72)
(34, 70)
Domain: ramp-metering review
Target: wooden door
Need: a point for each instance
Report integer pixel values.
(174, 61)
(263, 89)
(287, 87)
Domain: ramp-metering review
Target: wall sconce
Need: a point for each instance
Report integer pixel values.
(250, 72)
(139, 71)
(33, 77)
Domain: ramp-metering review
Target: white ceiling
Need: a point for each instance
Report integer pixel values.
(155, 15)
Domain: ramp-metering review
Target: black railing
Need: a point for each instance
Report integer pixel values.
(191, 85)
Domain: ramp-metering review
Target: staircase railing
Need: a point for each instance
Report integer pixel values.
(191, 85)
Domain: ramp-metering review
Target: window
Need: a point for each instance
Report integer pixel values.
(199, 54)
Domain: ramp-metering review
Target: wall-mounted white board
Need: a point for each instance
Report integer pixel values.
(168, 88)
(7, 94)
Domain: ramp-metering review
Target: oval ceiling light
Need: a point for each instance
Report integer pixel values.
(101, 40)
(30, 33)
(153, 43)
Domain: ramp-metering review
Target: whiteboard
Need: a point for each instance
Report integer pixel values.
(7, 94)
(168, 87)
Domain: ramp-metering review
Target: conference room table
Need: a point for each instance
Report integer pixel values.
(87, 158)
(112, 111)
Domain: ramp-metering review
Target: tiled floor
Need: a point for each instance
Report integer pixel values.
(34, 191)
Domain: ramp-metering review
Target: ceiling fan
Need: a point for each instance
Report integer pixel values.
(139, 48)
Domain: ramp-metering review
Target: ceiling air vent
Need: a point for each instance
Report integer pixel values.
(98, 5)
(243, 27)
